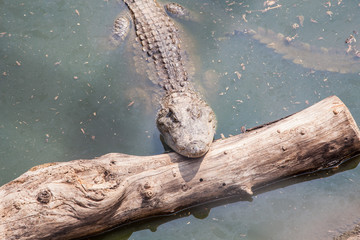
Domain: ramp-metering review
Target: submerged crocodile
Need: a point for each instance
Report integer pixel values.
(186, 121)
(322, 59)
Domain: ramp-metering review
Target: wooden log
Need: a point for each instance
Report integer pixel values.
(78, 198)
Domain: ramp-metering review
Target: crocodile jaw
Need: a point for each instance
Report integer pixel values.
(187, 123)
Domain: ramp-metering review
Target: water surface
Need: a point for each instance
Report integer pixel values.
(65, 94)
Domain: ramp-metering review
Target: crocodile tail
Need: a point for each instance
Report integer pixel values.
(317, 58)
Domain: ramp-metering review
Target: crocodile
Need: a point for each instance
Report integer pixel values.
(186, 122)
(316, 58)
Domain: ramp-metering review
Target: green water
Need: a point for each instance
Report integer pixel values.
(65, 94)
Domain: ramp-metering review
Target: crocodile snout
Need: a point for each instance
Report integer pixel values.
(197, 148)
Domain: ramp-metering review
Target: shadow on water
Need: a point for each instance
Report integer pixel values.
(202, 211)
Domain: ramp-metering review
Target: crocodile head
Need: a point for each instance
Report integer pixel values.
(187, 123)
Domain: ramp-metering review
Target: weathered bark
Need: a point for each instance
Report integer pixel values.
(82, 197)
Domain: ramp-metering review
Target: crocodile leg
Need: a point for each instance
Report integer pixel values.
(121, 28)
(180, 12)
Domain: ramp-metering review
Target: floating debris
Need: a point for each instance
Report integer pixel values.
(295, 26)
(271, 8)
(244, 17)
(357, 53)
(351, 39)
(301, 20)
(313, 20)
(242, 66)
(349, 50)
(238, 74)
(264, 10)
(330, 13)
(131, 103)
(269, 3)
(290, 39)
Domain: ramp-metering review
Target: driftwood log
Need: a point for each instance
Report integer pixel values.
(78, 198)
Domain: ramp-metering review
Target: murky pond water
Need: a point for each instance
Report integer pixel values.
(65, 94)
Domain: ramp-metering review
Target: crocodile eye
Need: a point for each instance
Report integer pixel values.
(172, 116)
(170, 113)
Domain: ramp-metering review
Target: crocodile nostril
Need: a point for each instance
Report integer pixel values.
(197, 148)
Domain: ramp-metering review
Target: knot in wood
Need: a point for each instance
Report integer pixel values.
(109, 176)
(302, 131)
(17, 205)
(184, 187)
(146, 191)
(44, 196)
(148, 194)
(174, 172)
